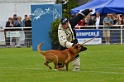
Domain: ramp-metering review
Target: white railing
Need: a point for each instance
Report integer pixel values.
(100, 26)
(22, 33)
(21, 28)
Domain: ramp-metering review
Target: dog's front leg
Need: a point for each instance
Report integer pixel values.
(66, 64)
(68, 59)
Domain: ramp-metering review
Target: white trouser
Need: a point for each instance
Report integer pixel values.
(11, 42)
(17, 41)
(76, 64)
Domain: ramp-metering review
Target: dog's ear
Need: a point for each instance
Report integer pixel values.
(76, 46)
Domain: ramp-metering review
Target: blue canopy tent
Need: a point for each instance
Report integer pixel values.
(102, 6)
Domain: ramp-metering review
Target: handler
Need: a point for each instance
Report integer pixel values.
(67, 35)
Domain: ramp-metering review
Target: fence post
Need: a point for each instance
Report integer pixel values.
(121, 36)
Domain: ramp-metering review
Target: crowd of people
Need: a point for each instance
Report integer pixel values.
(107, 21)
(16, 21)
(96, 20)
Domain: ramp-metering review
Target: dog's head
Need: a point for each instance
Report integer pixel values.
(79, 47)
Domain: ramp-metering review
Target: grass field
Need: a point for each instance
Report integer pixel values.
(101, 63)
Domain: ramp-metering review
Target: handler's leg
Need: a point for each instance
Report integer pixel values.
(76, 64)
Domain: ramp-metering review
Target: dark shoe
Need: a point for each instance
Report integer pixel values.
(28, 46)
(18, 46)
(8, 46)
(60, 65)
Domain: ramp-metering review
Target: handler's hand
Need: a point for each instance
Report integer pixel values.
(86, 11)
(90, 10)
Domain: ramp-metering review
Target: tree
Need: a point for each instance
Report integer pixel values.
(53, 33)
(66, 10)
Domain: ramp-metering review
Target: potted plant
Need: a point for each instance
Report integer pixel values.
(53, 33)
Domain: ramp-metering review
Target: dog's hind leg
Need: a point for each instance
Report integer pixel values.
(46, 63)
(55, 65)
(56, 62)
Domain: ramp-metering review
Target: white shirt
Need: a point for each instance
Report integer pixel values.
(97, 22)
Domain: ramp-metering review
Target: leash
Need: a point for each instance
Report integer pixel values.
(89, 40)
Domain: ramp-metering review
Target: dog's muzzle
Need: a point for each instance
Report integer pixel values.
(83, 48)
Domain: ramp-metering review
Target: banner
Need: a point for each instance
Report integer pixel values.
(13, 34)
(42, 17)
(19, 34)
(83, 35)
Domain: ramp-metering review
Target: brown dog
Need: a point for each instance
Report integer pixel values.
(61, 56)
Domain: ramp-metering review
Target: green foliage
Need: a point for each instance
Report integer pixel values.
(71, 4)
(57, 1)
(53, 33)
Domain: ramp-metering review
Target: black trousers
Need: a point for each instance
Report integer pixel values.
(7, 39)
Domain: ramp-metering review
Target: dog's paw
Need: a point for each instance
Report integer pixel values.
(61, 69)
(56, 69)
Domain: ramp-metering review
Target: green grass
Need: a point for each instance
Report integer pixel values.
(101, 63)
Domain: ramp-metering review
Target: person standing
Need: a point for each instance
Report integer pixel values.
(107, 22)
(67, 35)
(27, 31)
(25, 17)
(98, 20)
(9, 23)
(18, 23)
(15, 17)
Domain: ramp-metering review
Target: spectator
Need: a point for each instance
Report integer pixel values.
(107, 22)
(118, 22)
(98, 20)
(114, 18)
(81, 23)
(86, 20)
(28, 32)
(9, 23)
(25, 17)
(27, 22)
(18, 23)
(30, 17)
(122, 20)
(90, 20)
(14, 17)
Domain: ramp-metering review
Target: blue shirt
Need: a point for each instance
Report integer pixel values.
(17, 24)
(107, 20)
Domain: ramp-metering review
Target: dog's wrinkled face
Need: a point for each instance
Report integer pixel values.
(80, 47)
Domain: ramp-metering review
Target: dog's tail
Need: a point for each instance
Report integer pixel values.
(38, 48)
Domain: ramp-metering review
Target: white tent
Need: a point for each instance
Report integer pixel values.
(19, 7)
